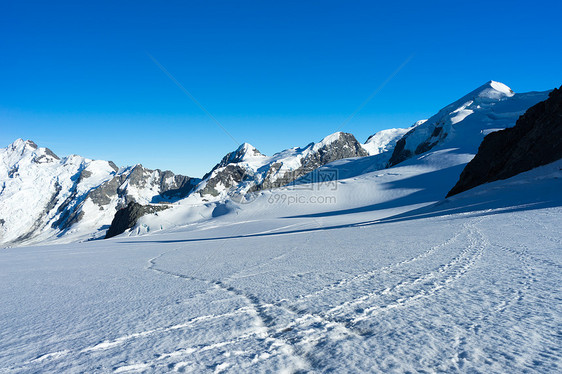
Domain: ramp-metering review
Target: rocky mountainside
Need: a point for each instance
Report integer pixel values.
(535, 140)
(247, 170)
(45, 197)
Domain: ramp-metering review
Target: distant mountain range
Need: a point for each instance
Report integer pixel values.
(44, 198)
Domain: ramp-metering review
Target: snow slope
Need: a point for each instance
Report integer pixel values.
(468, 284)
(36, 185)
(492, 106)
(385, 140)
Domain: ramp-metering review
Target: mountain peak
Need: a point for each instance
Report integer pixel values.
(26, 148)
(244, 152)
(331, 138)
(20, 144)
(246, 149)
(493, 90)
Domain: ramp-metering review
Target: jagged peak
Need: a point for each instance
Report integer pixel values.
(332, 138)
(244, 152)
(248, 149)
(22, 147)
(22, 144)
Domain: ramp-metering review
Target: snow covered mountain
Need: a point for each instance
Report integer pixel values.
(385, 140)
(535, 140)
(243, 175)
(491, 106)
(44, 197)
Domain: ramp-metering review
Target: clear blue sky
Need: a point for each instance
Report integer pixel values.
(77, 78)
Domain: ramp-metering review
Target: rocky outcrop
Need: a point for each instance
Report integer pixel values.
(249, 170)
(153, 185)
(127, 217)
(402, 153)
(344, 146)
(224, 178)
(535, 140)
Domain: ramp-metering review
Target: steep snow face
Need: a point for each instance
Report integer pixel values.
(38, 188)
(246, 169)
(493, 105)
(44, 197)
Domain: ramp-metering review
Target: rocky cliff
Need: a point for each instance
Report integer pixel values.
(535, 140)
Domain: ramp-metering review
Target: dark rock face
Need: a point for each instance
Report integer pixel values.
(228, 176)
(400, 153)
(535, 140)
(179, 188)
(345, 146)
(230, 172)
(127, 217)
(102, 195)
(170, 186)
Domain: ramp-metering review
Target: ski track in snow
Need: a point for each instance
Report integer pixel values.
(299, 333)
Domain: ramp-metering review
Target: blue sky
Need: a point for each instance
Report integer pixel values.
(78, 79)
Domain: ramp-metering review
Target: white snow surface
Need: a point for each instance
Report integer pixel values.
(467, 284)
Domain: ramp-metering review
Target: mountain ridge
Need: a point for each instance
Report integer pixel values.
(80, 197)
